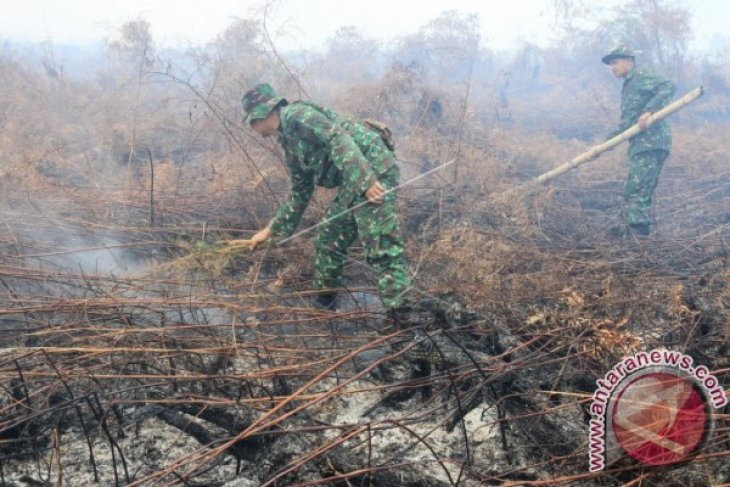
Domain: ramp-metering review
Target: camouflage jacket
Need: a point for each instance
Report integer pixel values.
(644, 91)
(329, 150)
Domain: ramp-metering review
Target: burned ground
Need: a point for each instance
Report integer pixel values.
(201, 379)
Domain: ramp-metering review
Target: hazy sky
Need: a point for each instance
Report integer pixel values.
(301, 23)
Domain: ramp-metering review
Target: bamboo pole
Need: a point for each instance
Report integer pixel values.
(152, 189)
(623, 136)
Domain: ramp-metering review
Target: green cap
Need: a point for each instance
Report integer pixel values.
(622, 51)
(259, 101)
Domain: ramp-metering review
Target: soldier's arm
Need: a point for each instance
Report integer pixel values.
(344, 153)
(289, 214)
(663, 93)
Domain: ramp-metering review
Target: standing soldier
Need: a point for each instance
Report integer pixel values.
(643, 93)
(324, 148)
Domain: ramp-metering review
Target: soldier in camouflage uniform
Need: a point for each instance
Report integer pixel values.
(326, 149)
(643, 93)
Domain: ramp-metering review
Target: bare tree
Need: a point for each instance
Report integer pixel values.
(661, 28)
(351, 56)
(135, 48)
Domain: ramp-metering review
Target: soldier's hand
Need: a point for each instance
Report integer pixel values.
(260, 237)
(375, 193)
(644, 120)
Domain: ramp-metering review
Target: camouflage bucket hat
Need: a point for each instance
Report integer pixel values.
(622, 51)
(259, 101)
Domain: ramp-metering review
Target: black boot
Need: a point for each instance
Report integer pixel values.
(401, 317)
(326, 301)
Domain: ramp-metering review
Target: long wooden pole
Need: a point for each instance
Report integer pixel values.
(623, 136)
(152, 189)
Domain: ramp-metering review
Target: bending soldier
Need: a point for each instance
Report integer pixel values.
(324, 148)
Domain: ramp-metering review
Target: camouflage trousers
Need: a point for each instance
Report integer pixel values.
(644, 170)
(378, 228)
